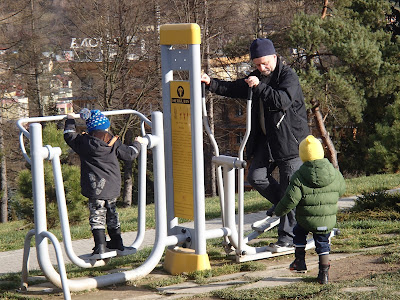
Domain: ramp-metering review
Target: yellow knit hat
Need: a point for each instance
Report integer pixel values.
(311, 149)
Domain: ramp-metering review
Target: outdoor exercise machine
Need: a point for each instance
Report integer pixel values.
(185, 165)
(39, 153)
(176, 142)
(31, 129)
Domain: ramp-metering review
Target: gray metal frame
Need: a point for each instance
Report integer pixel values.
(38, 154)
(189, 60)
(168, 231)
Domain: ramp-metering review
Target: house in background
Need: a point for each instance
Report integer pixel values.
(14, 105)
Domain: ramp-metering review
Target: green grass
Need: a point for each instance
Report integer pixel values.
(12, 234)
(355, 234)
(366, 226)
(368, 184)
(378, 287)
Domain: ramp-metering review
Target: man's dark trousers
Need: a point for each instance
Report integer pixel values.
(260, 177)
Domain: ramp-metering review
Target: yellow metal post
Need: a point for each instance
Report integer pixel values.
(184, 143)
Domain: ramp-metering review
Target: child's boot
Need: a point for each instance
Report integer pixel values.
(116, 243)
(99, 250)
(324, 265)
(299, 264)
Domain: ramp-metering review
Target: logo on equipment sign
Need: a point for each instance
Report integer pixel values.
(182, 149)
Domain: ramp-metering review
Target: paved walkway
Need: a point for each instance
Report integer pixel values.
(11, 261)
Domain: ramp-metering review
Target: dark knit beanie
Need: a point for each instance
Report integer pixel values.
(261, 47)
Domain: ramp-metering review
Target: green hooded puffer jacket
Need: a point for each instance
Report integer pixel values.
(314, 191)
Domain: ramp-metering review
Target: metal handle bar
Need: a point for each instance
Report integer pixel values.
(248, 123)
(216, 150)
(241, 171)
(23, 121)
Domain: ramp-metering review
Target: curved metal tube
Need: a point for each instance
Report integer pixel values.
(24, 121)
(39, 153)
(241, 171)
(216, 150)
(235, 238)
(25, 260)
(60, 262)
(54, 156)
(22, 146)
(141, 198)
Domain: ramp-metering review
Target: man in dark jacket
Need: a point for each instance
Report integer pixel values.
(279, 123)
(314, 191)
(99, 152)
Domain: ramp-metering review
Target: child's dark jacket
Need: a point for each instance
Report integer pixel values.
(100, 169)
(314, 191)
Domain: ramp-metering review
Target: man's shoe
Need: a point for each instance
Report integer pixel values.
(280, 246)
(271, 211)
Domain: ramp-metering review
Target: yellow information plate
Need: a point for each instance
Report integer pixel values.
(182, 149)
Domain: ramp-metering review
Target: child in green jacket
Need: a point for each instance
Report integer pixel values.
(314, 191)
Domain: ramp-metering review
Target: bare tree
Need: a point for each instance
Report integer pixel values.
(121, 69)
(27, 30)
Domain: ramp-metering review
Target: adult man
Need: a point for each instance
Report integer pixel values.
(279, 124)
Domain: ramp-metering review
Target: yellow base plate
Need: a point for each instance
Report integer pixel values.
(182, 260)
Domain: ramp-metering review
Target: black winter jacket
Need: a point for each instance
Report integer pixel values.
(284, 111)
(100, 169)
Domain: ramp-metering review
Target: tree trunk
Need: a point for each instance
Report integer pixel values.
(259, 29)
(35, 63)
(128, 177)
(332, 154)
(319, 121)
(4, 193)
(211, 101)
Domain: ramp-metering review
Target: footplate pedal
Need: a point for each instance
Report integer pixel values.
(265, 224)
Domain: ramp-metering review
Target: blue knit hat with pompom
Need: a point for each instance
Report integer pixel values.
(95, 120)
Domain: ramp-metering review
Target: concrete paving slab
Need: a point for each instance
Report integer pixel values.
(361, 289)
(178, 286)
(201, 289)
(270, 282)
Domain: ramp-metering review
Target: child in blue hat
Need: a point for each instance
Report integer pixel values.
(99, 153)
